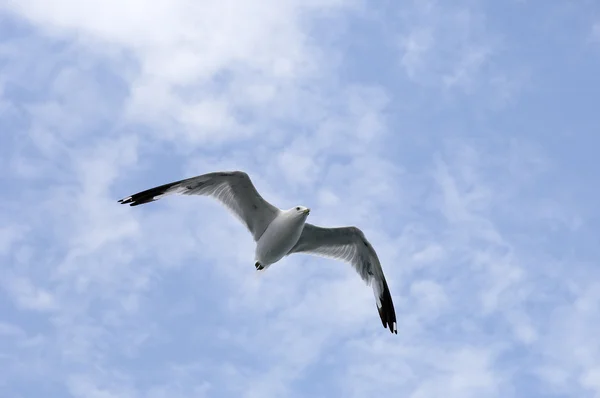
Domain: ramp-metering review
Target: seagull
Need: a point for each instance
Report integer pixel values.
(279, 233)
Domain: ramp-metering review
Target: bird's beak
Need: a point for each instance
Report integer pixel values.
(307, 211)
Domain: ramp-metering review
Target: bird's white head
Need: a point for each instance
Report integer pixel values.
(299, 211)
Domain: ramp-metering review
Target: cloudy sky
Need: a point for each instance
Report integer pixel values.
(462, 137)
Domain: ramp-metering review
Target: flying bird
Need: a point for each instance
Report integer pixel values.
(279, 233)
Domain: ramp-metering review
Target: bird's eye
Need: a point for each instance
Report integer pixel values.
(298, 208)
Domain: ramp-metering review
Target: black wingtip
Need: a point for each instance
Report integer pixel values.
(131, 201)
(148, 195)
(387, 313)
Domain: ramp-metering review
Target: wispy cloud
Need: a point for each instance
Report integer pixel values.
(445, 145)
(595, 34)
(444, 46)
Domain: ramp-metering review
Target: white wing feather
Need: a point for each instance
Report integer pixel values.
(350, 245)
(233, 189)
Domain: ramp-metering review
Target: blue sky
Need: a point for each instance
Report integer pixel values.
(462, 138)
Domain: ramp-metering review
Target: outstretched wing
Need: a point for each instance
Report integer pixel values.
(233, 189)
(350, 245)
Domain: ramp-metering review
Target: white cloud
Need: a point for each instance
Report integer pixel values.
(595, 34)
(84, 387)
(466, 373)
(7, 329)
(119, 97)
(28, 296)
(196, 63)
(9, 235)
(444, 46)
(591, 379)
(431, 294)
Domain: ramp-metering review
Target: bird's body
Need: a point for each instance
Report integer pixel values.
(279, 233)
(280, 236)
